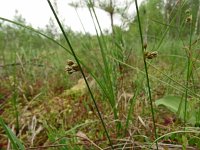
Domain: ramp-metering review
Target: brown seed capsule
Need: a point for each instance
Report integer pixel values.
(189, 19)
(70, 62)
(70, 72)
(67, 68)
(150, 55)
(75, 67)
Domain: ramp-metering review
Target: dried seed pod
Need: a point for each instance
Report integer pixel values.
(150, 55)
(189, 19)
(70, 62)
(188, 11)
(146, 54)
(75, 67)
(71, 71)
(68, 68)
(71, 67)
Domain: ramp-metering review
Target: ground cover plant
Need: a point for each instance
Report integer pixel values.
(135, 87)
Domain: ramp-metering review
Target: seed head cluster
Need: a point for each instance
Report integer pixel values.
(71, 67)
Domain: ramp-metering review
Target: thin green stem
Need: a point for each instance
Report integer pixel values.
(15, 107)
(130, 111)
(189, 71)
(146, 71)
(153, 77)
(80, 20)
(101, 44)
(15, 96)
(182, 86)
(81, 70)
(108, 75)
(38, 32)
(169, 25)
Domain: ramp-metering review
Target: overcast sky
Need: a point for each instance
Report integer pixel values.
(37, 13)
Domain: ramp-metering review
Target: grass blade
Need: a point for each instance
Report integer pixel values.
(16, 143)
(107, 77)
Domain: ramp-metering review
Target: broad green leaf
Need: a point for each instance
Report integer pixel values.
(176, 105)
(171, 102)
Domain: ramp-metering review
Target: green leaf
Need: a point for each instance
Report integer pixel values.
(176, 105)
(171, 102)
(16, 143)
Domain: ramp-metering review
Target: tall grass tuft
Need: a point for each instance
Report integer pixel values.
(108, 84)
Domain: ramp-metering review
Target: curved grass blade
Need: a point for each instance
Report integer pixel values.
(33, 30)
(16, 143)
(171, 133)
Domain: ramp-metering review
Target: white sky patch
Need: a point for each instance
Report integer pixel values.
(38, 12)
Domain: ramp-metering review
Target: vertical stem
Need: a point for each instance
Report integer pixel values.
(15, 95)
(80, 20)
(147, 75)
(81, 70)
(16, 113)
(189, 71)
(111, 16)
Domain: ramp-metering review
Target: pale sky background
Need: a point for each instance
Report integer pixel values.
(37, 13)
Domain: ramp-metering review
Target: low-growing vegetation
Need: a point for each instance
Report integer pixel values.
(134, 87)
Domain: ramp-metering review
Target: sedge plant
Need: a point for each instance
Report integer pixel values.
(81, 70)
(146, 72)
(108, 83)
